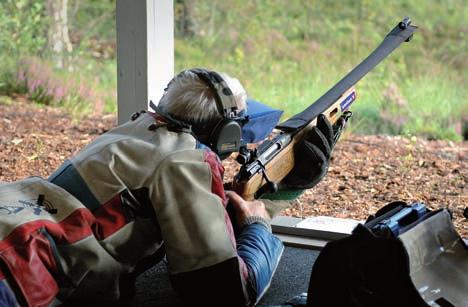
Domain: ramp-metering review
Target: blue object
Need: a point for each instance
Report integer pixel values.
(261, 121)
(7, 298)
(68, 178)
(261, 252)
(394, 223)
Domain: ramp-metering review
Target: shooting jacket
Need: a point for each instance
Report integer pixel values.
(137, 190)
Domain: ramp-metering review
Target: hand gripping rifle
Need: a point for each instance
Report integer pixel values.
(263, 167)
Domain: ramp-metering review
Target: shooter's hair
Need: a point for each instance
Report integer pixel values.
(190, 99)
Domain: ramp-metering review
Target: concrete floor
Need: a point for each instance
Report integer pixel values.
(291, 278)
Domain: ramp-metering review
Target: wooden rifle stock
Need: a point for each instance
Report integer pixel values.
(262, 168)
(283, 162)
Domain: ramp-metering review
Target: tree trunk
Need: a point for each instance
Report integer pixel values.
(58, 40)
(186, 22)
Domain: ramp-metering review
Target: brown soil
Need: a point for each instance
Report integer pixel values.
(366, 173)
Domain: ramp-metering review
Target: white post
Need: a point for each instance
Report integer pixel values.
(145, 53)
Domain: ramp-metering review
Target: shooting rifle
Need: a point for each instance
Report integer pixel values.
(262, 168)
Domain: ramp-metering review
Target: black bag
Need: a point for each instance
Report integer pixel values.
(405, 255)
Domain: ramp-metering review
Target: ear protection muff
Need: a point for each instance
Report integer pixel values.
(225, 136)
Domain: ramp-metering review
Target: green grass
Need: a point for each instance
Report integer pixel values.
(290, 56)
(287, 53)
(6, 100)
(434, 101)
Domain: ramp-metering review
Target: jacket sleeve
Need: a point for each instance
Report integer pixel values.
(205, 261)
(188, 200)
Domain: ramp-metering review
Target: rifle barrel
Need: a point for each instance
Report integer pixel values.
(393, 39)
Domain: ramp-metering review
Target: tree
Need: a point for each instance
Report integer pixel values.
(58, 40)
(184, 14)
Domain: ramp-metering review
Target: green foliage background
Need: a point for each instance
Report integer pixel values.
(286, 53)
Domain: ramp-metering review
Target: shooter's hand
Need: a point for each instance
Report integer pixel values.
(312, 156)
(248, 212)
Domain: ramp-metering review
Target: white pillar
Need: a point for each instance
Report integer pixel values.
(145, 53)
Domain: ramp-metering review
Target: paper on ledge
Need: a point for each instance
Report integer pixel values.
(328, 223)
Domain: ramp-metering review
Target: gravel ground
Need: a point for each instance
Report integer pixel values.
(366, 172)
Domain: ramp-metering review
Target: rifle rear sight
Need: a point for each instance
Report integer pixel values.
(245, 155)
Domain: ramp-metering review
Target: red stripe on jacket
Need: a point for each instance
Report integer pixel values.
(27, 254)
(109, 218)
(79, 224)
(32, 267)
(217, 187)
(73, 228)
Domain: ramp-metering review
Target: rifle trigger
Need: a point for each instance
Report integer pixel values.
(340, 124)
(269, 187)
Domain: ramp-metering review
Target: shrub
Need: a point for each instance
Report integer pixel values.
(24, 27)
(35, 79)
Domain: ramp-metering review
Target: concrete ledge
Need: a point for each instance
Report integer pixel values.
(312, 233)
(302, 242)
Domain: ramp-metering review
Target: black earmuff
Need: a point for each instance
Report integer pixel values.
(225, 136)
